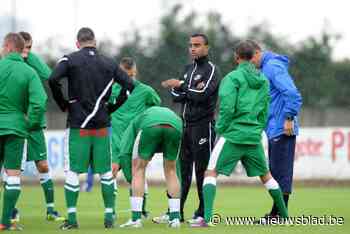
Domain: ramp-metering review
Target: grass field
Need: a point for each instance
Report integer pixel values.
(231, 201)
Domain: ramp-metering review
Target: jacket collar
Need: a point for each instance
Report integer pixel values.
(202, 60)
(14, 56)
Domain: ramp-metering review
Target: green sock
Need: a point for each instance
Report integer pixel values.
(144, 202)
(277, 197)
(11, 194)
(71, 193)
(49, 195)
(107, 188)
(174, 215)
(115, 193)
(209, 191)
(135, 215)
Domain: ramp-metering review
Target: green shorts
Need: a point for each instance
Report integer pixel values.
(11, 151)
(36, 146)
(126, 167)
(88, 147)
(225, 156)
(160, 138)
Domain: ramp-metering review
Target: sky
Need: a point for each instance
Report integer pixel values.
(295, 20)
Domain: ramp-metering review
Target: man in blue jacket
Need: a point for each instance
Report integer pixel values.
(282, 126)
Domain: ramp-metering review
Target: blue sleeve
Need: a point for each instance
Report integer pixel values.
(283, 82)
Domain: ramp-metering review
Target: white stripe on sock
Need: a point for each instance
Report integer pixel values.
(72, 210)
(271, 184)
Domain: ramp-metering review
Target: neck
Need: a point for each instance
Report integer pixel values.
(202, 59)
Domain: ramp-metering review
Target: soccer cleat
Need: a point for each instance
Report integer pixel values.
(132, 224)
(195, 220)
(54, 216)
(109, 224)
(15, 216)
(161, 219)
(175, 223)
(68, 226)
(202, 224)
(12, 227)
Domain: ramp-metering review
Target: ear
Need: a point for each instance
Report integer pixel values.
(77, 44)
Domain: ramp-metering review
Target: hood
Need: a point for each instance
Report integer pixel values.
(252, 75)
(267, 56)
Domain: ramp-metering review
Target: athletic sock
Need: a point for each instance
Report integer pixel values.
(277, 197)
(11, 194)
(107, 188)
(174, 208)
(47, 185)
(209, 191)
(71, 191)
(136, 207)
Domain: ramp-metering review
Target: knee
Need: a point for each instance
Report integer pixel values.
(42, 166)
(210, 173)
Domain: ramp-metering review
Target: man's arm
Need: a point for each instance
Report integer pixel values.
(39, 66)
(201, 93)
(281, 79)
(57, 75)
(37, 102)
(227, 96)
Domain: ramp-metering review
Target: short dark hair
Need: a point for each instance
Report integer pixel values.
(85, 35)
(244, 50)
(128, 62)
(255, 45)
(16, 40)
(26, 36)
(202, 35)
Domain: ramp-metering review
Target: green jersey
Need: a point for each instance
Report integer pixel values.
(151, 117)
(244, 101)
(22, 97)
(41, 69)
(142, 97)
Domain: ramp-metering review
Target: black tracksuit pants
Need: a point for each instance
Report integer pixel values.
(197, 143)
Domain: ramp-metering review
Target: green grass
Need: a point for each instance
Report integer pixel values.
(231, 201)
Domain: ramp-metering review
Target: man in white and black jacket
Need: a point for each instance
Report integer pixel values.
(197, 91)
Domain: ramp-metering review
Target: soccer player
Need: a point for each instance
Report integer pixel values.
(90, 78)
(158, 129)
(142, 97)
(282, 126)
(36, 143)
(244, 101)
(22, 107)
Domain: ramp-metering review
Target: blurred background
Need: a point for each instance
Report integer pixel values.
(316, 37)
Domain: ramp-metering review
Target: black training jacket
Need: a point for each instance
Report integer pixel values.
(199, 91)
(90, 77)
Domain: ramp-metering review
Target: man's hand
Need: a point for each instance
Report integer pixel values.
(288, 127)
(171, 83)
(115, 169)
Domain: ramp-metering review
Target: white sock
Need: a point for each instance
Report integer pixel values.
(136, 203)
(271, 184)
(174, 204)
(44, 177)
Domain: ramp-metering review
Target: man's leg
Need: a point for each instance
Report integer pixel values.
(276, 193)
(281, 162)
(102, 164)
(204, 136)
(186, 168)
(138, 186)
(71, 192)
(77, 152)
(12, 152)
